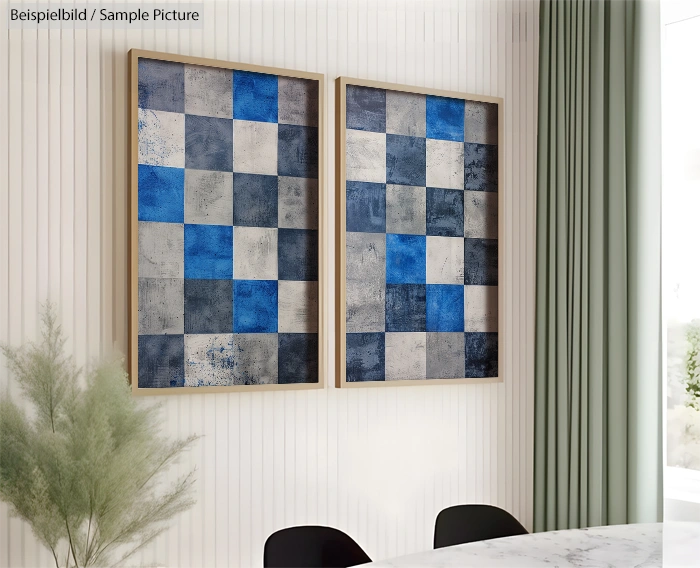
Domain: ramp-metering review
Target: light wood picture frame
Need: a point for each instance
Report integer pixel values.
(226, 226)
(419, 235)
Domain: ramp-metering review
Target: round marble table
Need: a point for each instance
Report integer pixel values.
(642, 545)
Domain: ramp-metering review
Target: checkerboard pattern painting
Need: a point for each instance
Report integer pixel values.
(421, 248)
(227, 227)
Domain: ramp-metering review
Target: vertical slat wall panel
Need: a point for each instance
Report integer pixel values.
(377, 463)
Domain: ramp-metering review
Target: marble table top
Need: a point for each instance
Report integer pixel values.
(642, 545)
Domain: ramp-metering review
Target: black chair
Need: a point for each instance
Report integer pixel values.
(312, 547)
(471, 523)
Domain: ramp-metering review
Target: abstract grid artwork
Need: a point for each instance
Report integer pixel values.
(225, 218)
(418, 232)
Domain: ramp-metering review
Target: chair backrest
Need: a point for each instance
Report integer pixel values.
(312, 547)
(471, 523)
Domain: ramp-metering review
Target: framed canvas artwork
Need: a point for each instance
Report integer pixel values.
(418, 263)
(225, 195)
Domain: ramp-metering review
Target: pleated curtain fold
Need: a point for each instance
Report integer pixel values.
(598, 374)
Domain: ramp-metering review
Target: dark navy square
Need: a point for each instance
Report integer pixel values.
(365, 207)
(405, 160)
(481, 262)
(255, 306)
(481, 355)
(254, 96)
(161, 361)
(208, 306)
(444, 118)
(297, 151)
(444, 307)
(161, 194)
(405, 307)
(364, 357)
(297, 359)
(444, 212)
(365, 108)
(161, 85)
(208, 143)
(405, 259)
(480, 167)
(208, 251)
(254, 200)
(297, 254)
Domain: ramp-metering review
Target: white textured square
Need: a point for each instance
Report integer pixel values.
(209, 360)
(480, 215)
(254, 253)
(365, 156)
(161, 138)
(255, 147)
(444, 164)
(297, 306)
(365, 292)
(481, 308)
(404, 356)
(208, 91)
(444, 260)
(208, 197)
(161, 250)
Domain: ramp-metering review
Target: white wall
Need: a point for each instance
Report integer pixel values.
(377, 463)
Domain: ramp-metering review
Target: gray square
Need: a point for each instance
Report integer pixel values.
(297, 101)
(445, 355)
(405, 113)
(404, 357)
(161, 138)
(254, 253)
(297, 206)
(481, 122)
(254, 358)
(208, 91)
(297, 310)
(161, 306)
(405, 209)
(209, 360)
(480, 215)
(366, 156)
(444, 164)
(481, 308)
(365, 276)
(208, 197)
(444, 260)
(161, 250)
(255, 147)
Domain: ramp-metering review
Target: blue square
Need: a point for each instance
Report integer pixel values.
(480, 167)
(481, 355)
(405, 259)
(444, 212)
(297, 151)
(161, 85)
(161, 361)
(161, 194)
(405, 307)
(208, 251)
(405, 160)
(208, 306)
(364, 357)
(208, 143)
(481, 262)
(444, 307)
(444, 118)
(254, 200)
(365, 207)
(297, 359)
(365, 108)
(297, 254)
(255, 306)
(254, 96)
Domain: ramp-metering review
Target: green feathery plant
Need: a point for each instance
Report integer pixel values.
(83, 467)
(692, 365)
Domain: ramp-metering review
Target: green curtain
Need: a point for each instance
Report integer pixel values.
(597, 363)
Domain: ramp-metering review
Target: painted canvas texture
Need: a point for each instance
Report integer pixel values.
(227, 227)
(421, 241)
